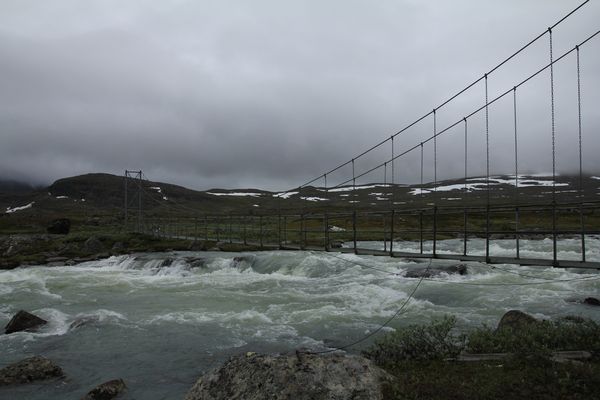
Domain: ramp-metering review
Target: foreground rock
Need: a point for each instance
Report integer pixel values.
(24, 321)
(106, 391)
(300, 377)
(515, 320)
(29, 370)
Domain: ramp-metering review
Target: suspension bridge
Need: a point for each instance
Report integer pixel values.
(423, 228)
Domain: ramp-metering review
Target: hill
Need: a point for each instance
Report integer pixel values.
(97, 196)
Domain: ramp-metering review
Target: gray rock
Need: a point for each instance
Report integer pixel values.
(300, 377)
(460, 269)
(118, 247)
(100, 256)
(29, 370)
(197, 246)
(60, 226)
(591, 301)
(516, 320)
(55, 264)
(78, 260)
(81, 321)
(24, 321)
(93, 245)
(196, 262)
(106, 391)
(56, 259)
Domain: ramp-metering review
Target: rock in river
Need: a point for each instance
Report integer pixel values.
(106, 391)
(29, 370)
(591, 301)
(301, 376)
(460, 269)
(24, 321)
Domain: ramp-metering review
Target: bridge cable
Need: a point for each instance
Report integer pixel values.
(421, 188)
(386, 323)
(414, 290)
(393, 186)
(581, 193)
(487, 171)
(554, 249)
(460, 92)
(517, 215)
(434, 157)
(476, 111)
(516, 146)
(579, 125)
(553, 119)
(466, 155)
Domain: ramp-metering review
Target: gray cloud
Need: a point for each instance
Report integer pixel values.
(269, 94)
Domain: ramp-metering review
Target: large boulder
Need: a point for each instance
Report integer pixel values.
(300, 377)
(60, 226)
(29, 370)
(24, 321)
(106, 391)
(516, 320)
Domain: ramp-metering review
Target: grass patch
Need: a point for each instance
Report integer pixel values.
(439, 380)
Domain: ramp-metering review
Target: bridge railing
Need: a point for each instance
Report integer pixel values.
(560, 235)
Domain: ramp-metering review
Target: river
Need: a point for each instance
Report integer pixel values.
(160, 320)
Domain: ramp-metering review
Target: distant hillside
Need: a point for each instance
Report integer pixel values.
(92, 194)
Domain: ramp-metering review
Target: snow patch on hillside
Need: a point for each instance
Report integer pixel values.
(15, 209)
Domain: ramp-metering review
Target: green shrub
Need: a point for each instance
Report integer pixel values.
(436, 340)
(541, 337)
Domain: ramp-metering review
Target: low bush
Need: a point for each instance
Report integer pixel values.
(541, 337)
(440, 339)
(436, 340)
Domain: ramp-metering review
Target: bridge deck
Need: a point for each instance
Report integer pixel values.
(445, 256)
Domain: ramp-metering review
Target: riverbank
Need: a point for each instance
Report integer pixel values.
(60, 250)
(521, 358)
(531, 359)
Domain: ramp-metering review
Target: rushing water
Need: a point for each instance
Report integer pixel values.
(161, 320)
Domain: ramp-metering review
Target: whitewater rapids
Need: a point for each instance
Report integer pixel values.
(159, 320)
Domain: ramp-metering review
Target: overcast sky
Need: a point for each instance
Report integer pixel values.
(269, 94)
